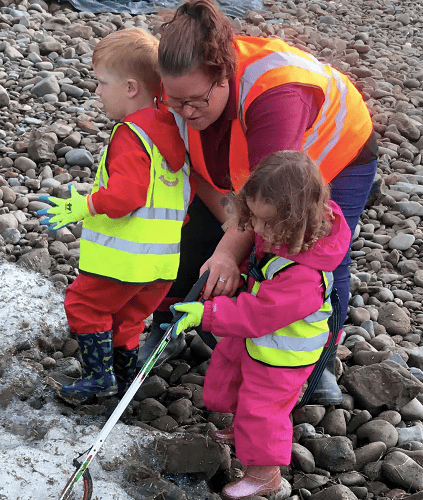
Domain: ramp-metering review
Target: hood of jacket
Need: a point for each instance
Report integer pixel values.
(327, 253)
(160, 126)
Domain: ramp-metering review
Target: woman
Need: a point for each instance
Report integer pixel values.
(237, 100)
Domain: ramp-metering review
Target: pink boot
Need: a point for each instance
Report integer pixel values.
(224, 436)
(258, 480)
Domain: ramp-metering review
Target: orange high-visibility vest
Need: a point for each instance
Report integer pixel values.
(340, 130)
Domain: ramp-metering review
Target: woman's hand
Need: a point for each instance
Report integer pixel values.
(224, 275)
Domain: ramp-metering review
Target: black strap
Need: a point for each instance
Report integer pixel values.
(207, 337)
(334, 326)
(255, 268)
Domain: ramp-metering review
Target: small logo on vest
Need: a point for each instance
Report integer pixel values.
(167, 168)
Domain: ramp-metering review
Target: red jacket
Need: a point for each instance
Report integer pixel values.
(129, 165)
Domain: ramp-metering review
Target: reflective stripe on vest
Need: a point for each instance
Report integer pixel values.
(300, 343)
(341, 128)
(143, 246)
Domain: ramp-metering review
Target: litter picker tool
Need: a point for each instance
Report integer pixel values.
(82, 467)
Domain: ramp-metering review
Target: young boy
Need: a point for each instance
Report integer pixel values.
(129, 249)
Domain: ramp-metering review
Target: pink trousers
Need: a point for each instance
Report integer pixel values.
(261, 398)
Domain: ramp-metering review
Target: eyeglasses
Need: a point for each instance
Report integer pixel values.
(196, 103)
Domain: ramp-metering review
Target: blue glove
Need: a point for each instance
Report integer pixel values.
(192, 317)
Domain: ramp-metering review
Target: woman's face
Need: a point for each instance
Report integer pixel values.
(196, 87)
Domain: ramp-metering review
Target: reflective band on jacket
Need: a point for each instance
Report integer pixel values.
(143, 246)
(300, 343)
(340, 130)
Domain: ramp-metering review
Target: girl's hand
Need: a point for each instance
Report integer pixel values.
(224, 275)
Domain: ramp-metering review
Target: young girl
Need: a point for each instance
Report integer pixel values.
(275, 332)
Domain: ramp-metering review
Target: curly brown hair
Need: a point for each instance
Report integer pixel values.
(292, 182)
(199, 36)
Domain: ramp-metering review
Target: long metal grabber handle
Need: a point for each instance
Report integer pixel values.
(130, 393)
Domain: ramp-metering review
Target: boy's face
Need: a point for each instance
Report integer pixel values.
(113, 92)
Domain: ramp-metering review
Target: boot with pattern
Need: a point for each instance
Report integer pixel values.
(98, 376)
(125, 365)
(258, 480)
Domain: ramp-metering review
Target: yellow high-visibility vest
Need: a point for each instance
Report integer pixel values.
(143, 246)
(300, 343)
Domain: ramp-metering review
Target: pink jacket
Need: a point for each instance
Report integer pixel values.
(290, 296)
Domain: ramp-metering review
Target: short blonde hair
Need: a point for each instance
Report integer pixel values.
(132, 52)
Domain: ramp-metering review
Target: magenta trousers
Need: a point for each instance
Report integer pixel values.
(261, 398)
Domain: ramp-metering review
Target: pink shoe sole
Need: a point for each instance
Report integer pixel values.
(269, 494)
(250, 486)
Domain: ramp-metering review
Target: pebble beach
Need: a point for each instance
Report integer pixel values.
(52, 129)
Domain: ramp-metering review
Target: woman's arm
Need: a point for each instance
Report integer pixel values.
(231, 251)
(232, 248)
(219, 204)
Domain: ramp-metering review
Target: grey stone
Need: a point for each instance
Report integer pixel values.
(368, 453)
(394, 319)
(69, 367)
(48, 85)
(412, 410)
(395, 386)
(7, 221)
(72, 90)
(190, 455)
(409, 208)
(308, 481)
(302, 458)
(378, 431)
(11, 235)
(334, 454)
(80, 157)
(413, 433)
(398, 468)
(37, 259)
(4, 97)
(24, 164)
(402, 241)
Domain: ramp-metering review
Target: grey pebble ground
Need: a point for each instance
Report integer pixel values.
(51, 132)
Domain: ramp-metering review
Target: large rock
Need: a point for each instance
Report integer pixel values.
(394, 319)
(334, 454)
(47, 85)
(378, 431)
(41, 145)
(403, 471)
(192, 455)
(336, 492)
(37, 259)
(7, 221)
(406, 126)
(395, 387)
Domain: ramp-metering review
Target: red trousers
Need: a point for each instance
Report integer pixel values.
(95, 304)
(261, 398)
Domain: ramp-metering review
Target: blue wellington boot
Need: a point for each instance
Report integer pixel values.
(98, 376)
(327, 391)
(125, 366)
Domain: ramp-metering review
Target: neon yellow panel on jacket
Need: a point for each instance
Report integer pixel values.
(300, 343)
(143, 246)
